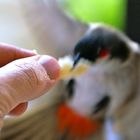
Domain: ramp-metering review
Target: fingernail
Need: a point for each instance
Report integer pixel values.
(51, 65)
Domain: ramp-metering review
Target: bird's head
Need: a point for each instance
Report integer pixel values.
(104, 43)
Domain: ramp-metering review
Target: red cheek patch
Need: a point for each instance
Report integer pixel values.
(77, 126)
(103, 53)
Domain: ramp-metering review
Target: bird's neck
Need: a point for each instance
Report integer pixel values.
(127, 116)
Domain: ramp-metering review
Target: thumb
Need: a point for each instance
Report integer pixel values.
(25, 79)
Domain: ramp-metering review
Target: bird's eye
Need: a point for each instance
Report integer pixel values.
(70, 88)
(103, 53)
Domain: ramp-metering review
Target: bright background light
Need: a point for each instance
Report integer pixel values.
(13, 28)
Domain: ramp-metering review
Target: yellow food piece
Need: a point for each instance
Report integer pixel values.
(67, 70)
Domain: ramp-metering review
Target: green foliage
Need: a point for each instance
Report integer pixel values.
(108, 11)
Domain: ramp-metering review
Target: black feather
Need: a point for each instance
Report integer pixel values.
(102, 38)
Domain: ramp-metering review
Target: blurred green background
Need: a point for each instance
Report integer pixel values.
(112, 12)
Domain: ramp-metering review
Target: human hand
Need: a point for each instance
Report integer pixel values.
(23, 76)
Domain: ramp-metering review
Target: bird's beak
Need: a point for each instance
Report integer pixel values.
(76, 59)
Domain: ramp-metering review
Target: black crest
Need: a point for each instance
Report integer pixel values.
(100, 38)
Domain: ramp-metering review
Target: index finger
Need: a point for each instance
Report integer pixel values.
(9, 53)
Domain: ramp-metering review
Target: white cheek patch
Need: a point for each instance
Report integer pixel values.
(87, 93)
(101, 80)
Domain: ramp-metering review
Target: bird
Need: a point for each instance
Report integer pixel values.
(113, 79)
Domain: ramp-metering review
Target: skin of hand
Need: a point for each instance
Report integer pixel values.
(24, 76)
